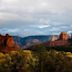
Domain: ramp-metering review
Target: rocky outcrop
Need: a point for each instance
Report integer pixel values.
(64, 36)
(63, 40)
(54, 38)
(7, 43)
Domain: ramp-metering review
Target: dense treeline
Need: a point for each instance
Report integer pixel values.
(36, 61)
(61, 48)
(58, 48)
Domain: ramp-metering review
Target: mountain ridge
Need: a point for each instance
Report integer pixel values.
(23, 40)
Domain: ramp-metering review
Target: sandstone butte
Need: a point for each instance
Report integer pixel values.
(7, 43)
(63, 40)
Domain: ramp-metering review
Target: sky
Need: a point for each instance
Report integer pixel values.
(35, 17)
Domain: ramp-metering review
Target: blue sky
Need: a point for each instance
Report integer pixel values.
(35, 17)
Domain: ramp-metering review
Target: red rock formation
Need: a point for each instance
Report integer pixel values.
(62, 41)
(57, 43)
(63, 36)
(7, 43)
(10, 42)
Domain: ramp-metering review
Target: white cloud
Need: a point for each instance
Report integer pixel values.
(5, 30)
(44, 21)
(8, 16)
(13, 30)
(44, 4)
(38, 5)
(10, 1)
(54, 29)
(43, 26)
(51, 15)
(64, 27)
(31, 6)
